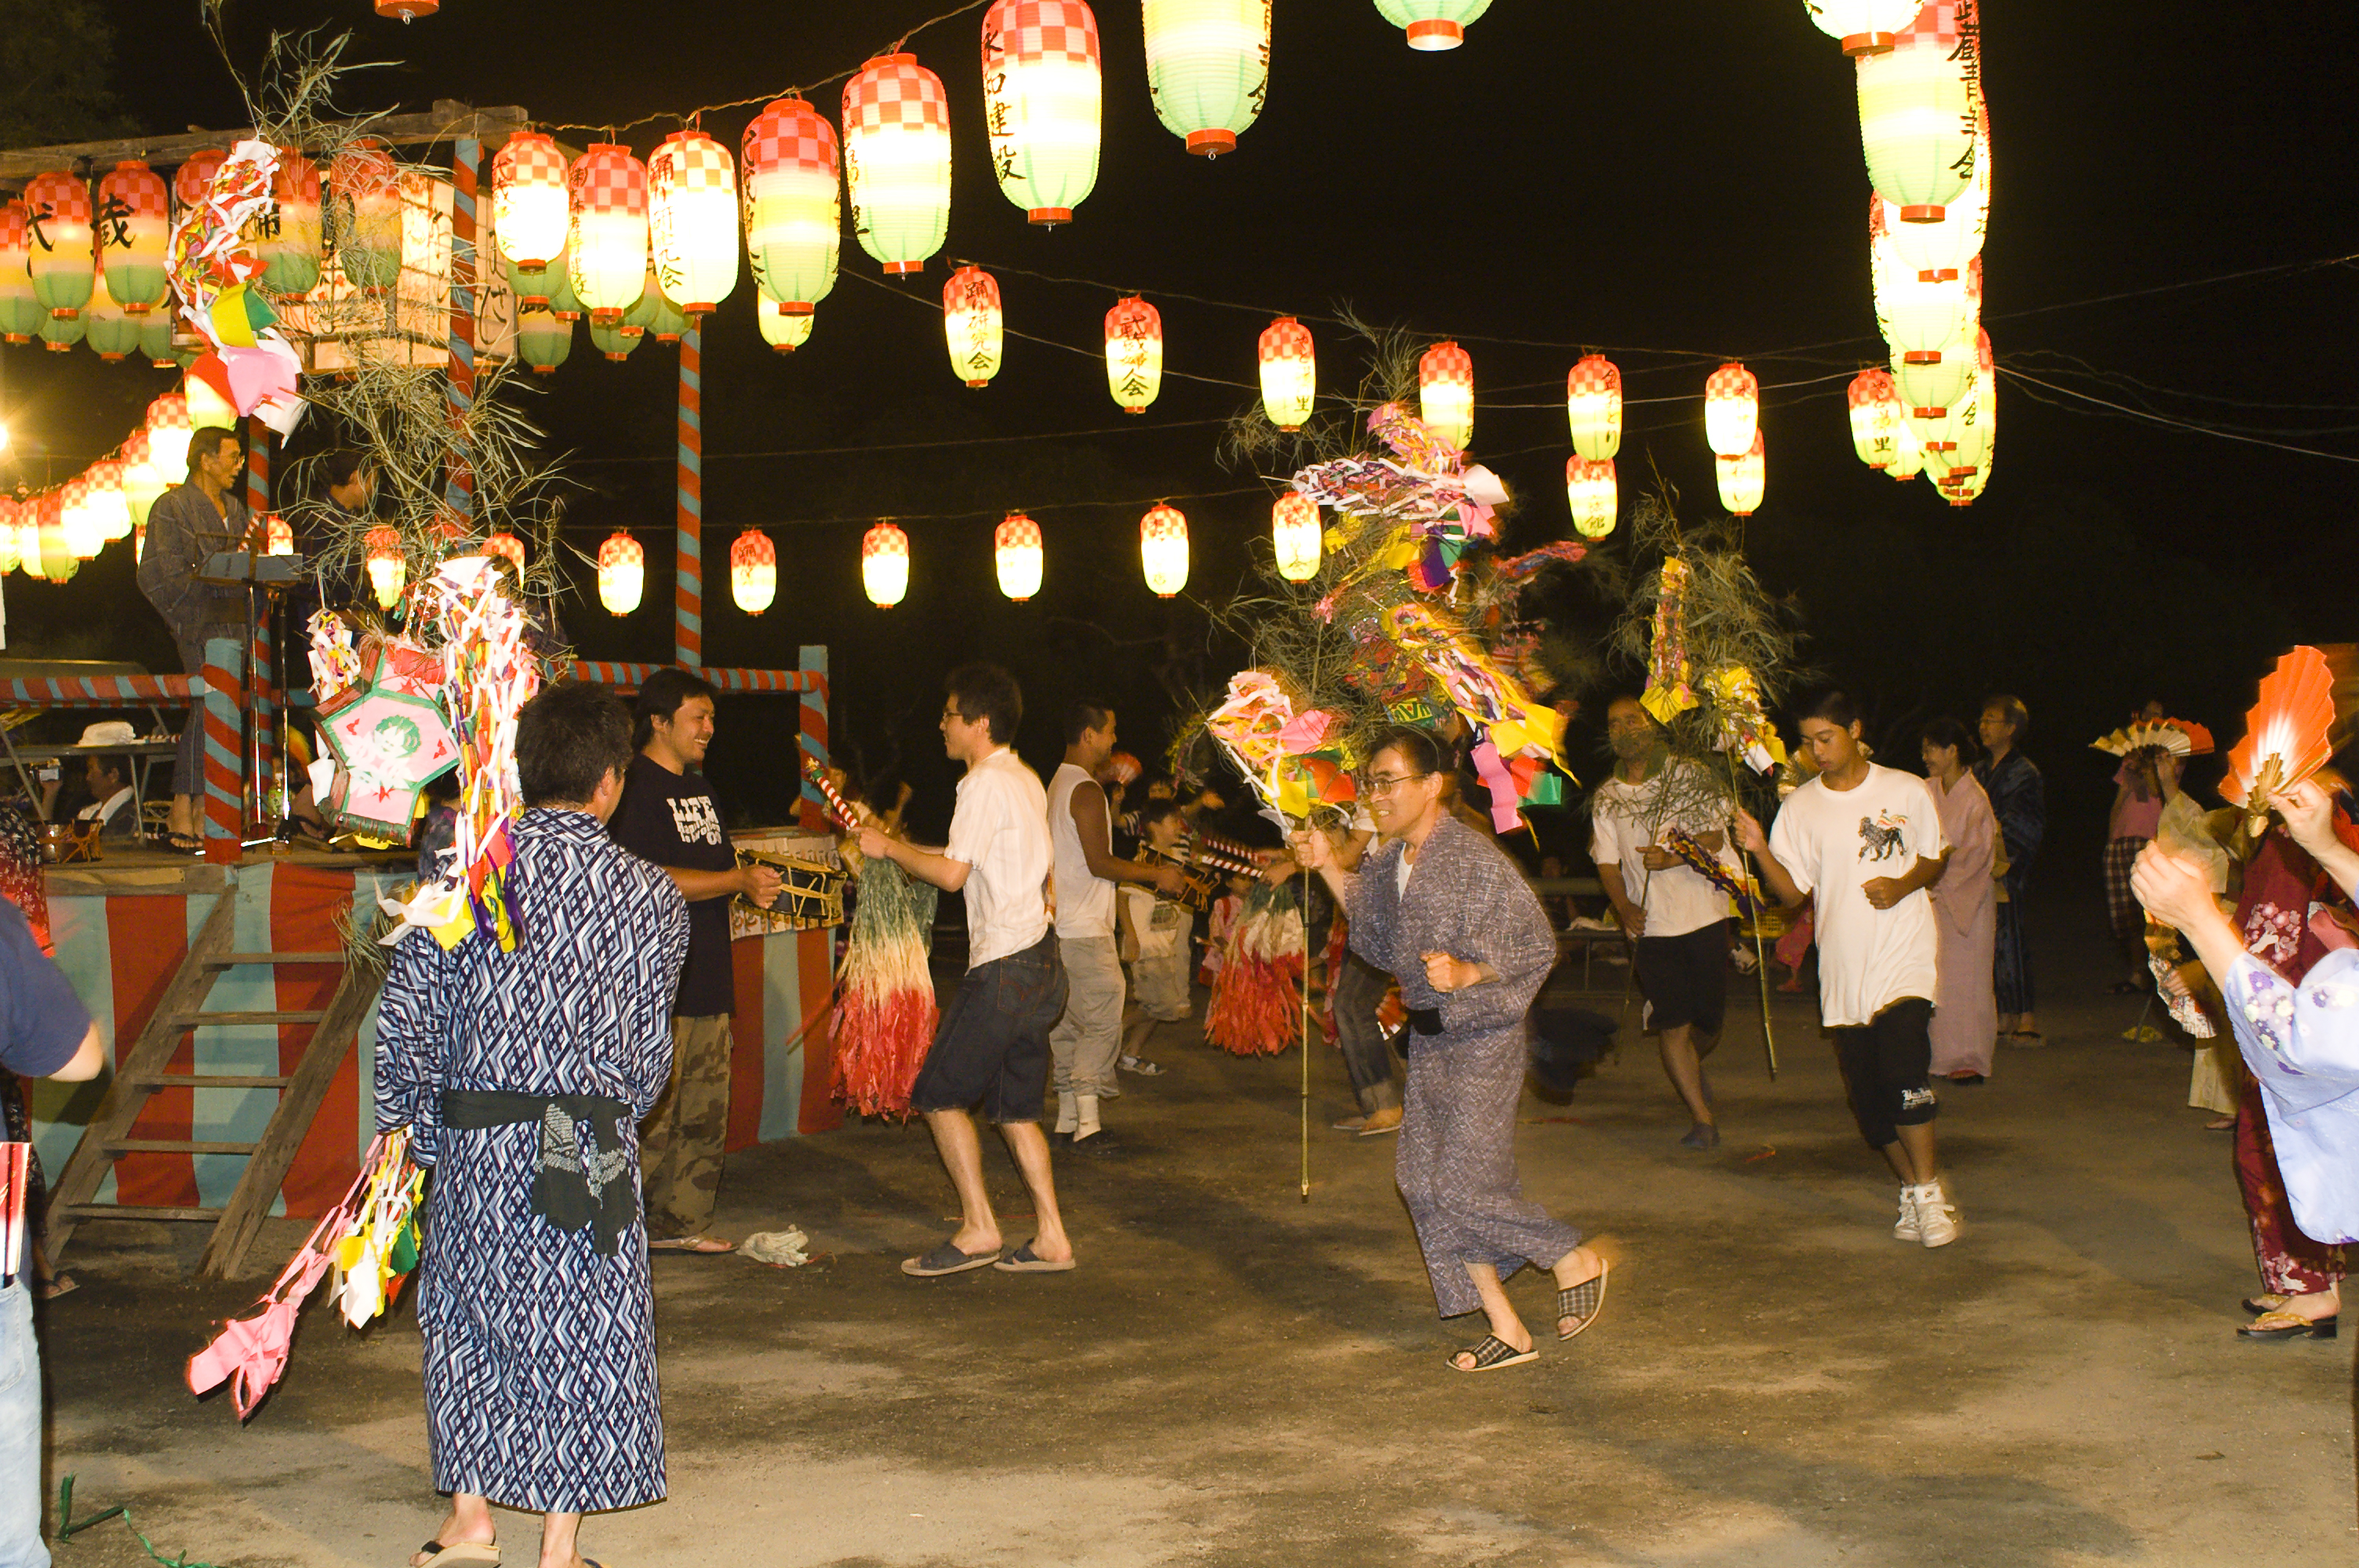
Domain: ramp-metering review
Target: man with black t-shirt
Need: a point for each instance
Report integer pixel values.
(667, 817)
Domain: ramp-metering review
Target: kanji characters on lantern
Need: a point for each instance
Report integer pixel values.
(1296, 536)
(693, 220)
(1445, 391)
(531, 210)
(1433, 24)
(1134, 338)
(622, 573)
(1918, 106)
(606, 247)
(884, 565)
(1016, 551)
(754, 571)
(1163, 550)
(1041, 103)
(1593, 492)
(794, 208)
(1875, 417)
(57, 226)
(974, 325)
(1743, 479)
(130, 220)
(1207, 68)
(291, 241)
(1592, 406)
(1731, 409)
(21, 313)
(1290, 373)
(896, 158)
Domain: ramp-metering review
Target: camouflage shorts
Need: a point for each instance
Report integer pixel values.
(679, 1142)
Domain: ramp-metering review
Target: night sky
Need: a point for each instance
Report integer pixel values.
(1669, 183)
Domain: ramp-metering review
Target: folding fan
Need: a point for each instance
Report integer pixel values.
(2179, 736)
(2285, 735)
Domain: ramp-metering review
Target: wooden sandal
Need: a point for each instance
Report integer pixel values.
(1490, 1354)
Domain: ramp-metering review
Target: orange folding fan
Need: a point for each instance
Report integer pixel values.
(2285, 735)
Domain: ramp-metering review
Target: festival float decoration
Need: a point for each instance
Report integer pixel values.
(366, 230)
(388, 572)
(1433, 24)
(794, 207)
(1015, 550)
(1445, 391)
(606, 246)
(387, 737)
(292, 240)
(133, 216)
(57, 225)
(884, 1011)
(1207, 68)
(783, 329)
(1593, 406)
(1254, 1011)
(1295, 530)
(249, 368)
(1919, 102)
(752, 571)
(1592, 494)
(1732, 410)
(1042, 100)
(1290, 373)
(1163, 550)
(692, 221)
(897, 161)
(1743, 479)
(21, 311)
(884, 565)
(622, 573)
(974, 325)
(1862, 26)
(1134, 348)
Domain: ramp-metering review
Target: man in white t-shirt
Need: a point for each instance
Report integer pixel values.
(992, 1048)
(1867, 842)
(1677, 918)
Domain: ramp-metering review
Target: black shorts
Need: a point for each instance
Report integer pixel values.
(992, 1047)
(1887, 1065)
(1686, 977)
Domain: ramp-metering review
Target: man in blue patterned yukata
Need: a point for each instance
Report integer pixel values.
(522, 1077)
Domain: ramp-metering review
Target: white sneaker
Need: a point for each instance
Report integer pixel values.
(1937, 1222)
(1906, 1227)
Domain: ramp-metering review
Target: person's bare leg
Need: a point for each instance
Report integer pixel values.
(1496, 1307)
(2315, 1304)
(1575, 1268)
(557, 1540)
(470, 1519)
(1030, 1151)
(1685, 1069)
(961, 1153)
(1913, 1157)
(182, 819)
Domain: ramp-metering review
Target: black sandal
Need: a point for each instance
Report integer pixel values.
(1580, 1302)
(2287, 1326)
(1491, 1353)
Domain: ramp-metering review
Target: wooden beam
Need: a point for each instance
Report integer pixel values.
(447, 120)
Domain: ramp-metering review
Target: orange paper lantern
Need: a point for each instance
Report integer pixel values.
(1016, 551)
(884, 565)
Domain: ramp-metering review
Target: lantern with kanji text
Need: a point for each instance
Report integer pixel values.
(1918, 104)
(1163, 550)
(132, 218)
(693, 220)
(531, 208)
(897, 160)
(752, 571)
(783, 329)
(57, 226)
(1593, 494)
(1134, 340)
(1875, 417)
(1296, 536)
(1290, 373)
(1593, 406)
(606, 246)
(21, 312)
(794, 205)
(973, 325)
(1741, 478)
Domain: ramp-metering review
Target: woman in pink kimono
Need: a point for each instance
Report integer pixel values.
(1965, 1010)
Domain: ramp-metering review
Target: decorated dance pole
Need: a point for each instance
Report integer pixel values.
(812, 715)
(225, 810)
(1760, 958)
(688, 555)
(260, 701)
(459, 390)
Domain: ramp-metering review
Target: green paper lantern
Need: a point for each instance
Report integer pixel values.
(1208, 69)
(1433, 24)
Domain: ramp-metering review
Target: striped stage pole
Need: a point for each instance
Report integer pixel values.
(225, 810)
(812, 664)
(263, 738)
(459, 388)
(688, 554)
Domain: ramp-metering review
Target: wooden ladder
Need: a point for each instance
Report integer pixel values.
(147, 1070)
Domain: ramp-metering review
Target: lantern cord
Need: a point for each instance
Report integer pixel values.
(690, 116)
(925, 446)
(2140, 414)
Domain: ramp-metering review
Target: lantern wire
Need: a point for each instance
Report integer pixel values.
(2152, 419)
(668, 458)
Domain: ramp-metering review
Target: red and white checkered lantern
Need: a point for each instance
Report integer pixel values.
(291, 239)
(1296, 536)
(1592, 406)
(1862, 26)
(606, 246)
(897, 160)
(133, 220)
(1445, 393)
(1042, 98)
(1876, 417)
(21, 314)
(752, 571)
(58, 228)
(884, 565)
(693, 220)
(1743, 478)
(622, 573)
(388, 572)
(1593, 494)
(1016, 551)
(168, 429)
(794, 205)
(530, 210)
(1918, 105)
(1134, 340)
(1163, 550)
(194, 178)
(1290, 375)
(367, 187)
(110, 508)
(974, 325)
(1731, 409)
(506, 546)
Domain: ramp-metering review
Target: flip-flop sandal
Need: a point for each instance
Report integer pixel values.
(2260, 1306)
(440, 1556)
(1490, 1354)
(1580, 1302)
(701, 1246)
(2287, 1326)
(1024, 1261)
(947, 1258)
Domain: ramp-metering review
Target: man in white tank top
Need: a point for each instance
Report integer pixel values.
(1088, 1037)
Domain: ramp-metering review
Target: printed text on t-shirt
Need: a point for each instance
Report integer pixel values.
(694, 818)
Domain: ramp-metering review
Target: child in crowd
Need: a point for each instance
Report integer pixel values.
(1222, 921)
(1155, 935)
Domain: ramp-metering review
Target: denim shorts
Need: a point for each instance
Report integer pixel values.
(992, 1049)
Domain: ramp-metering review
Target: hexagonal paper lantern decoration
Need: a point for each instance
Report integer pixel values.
(1445, 393)
(1163, 550)
(884, 565)
(1732, 410)
(974, 325)
(622, 573)
(897, 160)
(693, 220)
(1134, 340)
(1296, 536)
(794, 204)
(1016, 551)
(1593, 494)
(752, 571)
(1290, 373)
(388, 742)
(1207, 68)
(133, 217)
(1433, 24)
(1593, 406)
(1043, 100)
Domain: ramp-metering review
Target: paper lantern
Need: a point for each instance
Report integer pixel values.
(794, 207)
(11, 555)
(542, 341)
(1433, 24)
(897, 161)
(408, 10)
(606, 246)
(20, 312)
(617, 339)
(59, 562)
(1918, 104)
(1592, 406)
(133, 220)
(531, 205)
(1207, 68)
(277, 535)
(1042, 98)
(28, 539)
(1296, 536)
(506, 545)
(1163, 550)
(653, 311)
(59, 334)
(367, 228)
(1743, 479)
(1862, 26)
(109, 512)
(1016, 551)
(290, 242)
(114, 333)
(207, 406)
(156, 340)
(884, 565)
(1929, 326)
(783, 329)
(1938, 251)
(546, 286)
(1593, 494)
(622, 573)
(1289, 373)
(1876, 415)
(194, 178)
(167, 436)
(1445, 393)
(84, 524)
(1732, 410)
(752, 571)
(57, 225)
(693, 220)
(142, 486)
(1975, 425)
(974, 325)
(388, 572)
(1908, 457)
(1134, 340)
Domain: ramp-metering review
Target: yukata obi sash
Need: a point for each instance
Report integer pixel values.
(572, 1187)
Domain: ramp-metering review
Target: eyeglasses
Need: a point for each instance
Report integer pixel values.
(1378, 783)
